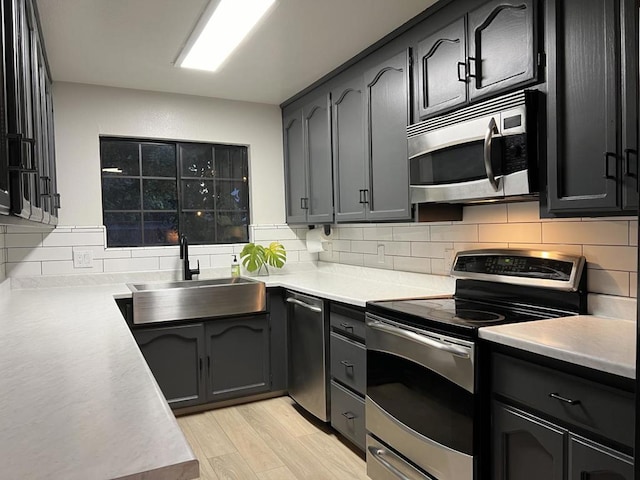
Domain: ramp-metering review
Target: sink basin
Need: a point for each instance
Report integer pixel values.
(194, 299)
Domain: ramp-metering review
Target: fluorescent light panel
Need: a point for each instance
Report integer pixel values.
(230, 23)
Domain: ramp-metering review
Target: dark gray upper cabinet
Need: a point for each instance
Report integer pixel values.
(237, 357)
(592, 145)
(350, 168)
(442, 67)
(308, 163)
(175, 356)
(387, 117)
(490, 50)
(502, 47)
(28, 153)
(295, 169)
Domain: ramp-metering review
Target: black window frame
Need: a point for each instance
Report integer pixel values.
(240, 229)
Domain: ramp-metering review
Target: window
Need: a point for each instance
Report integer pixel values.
(154, 191)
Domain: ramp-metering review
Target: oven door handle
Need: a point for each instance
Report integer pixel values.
(456, 350)
(491, 130)
(378, 453)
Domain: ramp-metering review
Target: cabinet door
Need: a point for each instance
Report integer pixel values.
(175, 356)
(630, 171)
(317, 127)
(583, 106)
(295, 170)
(237, 357)
(525, 447)
(349, 163)
(590, 461)
(278, 327)
(442, 70)
(387, 88)
(502, 47)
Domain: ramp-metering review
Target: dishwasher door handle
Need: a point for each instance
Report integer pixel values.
(313, 308)
(456, 350)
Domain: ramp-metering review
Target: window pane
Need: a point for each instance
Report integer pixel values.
(158, 160)
(120, 193)
(199, 227)
(197, 160)
(123, 229)
(231, 162)
(237, 232)
(160, 194)
(232, 195)
(161, 228)
(197, 194)
(120, 155)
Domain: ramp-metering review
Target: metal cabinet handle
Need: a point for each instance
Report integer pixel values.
(378, 453)
(469, 74)
(366, 196)
(313, 308)
(346, 364)
(564, 399)
(606, 175)
(627, 162)
(346, 326)
(464, 66)
(421, 339)
(491, 130)
(208, 364)
(361, 196)
(348, 415)
(200, 364)
(301, 203)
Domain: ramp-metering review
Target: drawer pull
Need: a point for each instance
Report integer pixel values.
(346, 326)
(346, 364)
(348, 415)
(564, 399)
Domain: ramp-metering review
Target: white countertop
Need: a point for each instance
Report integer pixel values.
(604, 344)
(77, 398)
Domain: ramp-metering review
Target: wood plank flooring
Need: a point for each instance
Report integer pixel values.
(269, 440)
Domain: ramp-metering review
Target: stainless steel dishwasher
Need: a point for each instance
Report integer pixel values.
(308, 354)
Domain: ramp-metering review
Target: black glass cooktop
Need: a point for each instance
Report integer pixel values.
(463, 314)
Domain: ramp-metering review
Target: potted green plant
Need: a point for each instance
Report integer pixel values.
(256, 257)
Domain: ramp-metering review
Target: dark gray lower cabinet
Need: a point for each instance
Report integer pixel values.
(210, 361)
(549, 444)
(237, 357)
(175, 356)
(348, 372)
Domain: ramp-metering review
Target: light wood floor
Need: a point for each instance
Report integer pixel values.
(268, 440)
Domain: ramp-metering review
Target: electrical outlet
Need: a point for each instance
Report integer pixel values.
(82, 259)
(381, 253)
(449, 255)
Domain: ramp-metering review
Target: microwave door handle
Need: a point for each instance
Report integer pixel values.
(491, 130)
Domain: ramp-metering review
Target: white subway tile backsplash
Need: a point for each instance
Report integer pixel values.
(341, 245)
(131, 264)
(39, 254)
(587, 233)
(351, 233)
(66, 267)
(402, 249)
(352, 258)
(437, 267)
(523, 212)
(412, 264)
(24, 269)
(378, 233)
(32, 240)
(633, 233)
(428, 249)
(373, 261)
(550, 247)
(633, 284)
(485, 214)
(454, 233)
(364, 246)
(612, 258)
(510, 232)
(170, 263)
(158, 251)
(262, 234)
(57, 239)
(294, 244)
(418, 233)
(608, 282)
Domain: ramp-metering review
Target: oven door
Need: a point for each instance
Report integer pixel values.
(420, 398)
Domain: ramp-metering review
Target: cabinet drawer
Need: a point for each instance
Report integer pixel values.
(600, 409)
(349, 362)
(347, 321)
(347, 414)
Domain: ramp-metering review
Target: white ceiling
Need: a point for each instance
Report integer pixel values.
(133, 44)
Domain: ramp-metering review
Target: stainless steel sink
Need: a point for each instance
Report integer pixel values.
(193, 299)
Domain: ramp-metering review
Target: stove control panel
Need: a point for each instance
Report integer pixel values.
(548, 268)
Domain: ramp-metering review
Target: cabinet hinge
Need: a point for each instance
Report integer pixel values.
(542, 60)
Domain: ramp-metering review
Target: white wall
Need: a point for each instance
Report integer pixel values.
(84, 112)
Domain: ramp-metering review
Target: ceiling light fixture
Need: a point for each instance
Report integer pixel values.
(224, 24)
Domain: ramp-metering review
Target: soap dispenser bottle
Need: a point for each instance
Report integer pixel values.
(235, 267)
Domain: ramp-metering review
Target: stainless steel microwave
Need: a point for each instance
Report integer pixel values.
(487, 151)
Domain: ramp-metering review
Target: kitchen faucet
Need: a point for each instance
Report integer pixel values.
(184, 255)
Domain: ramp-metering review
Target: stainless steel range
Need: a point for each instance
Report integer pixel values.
(422, 403)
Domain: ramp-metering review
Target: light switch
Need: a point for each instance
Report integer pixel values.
(82, 259)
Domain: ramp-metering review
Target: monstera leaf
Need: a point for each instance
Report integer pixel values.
(275, 254)
(255, 256)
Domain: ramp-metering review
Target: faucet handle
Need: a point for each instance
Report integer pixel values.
(197, 269)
